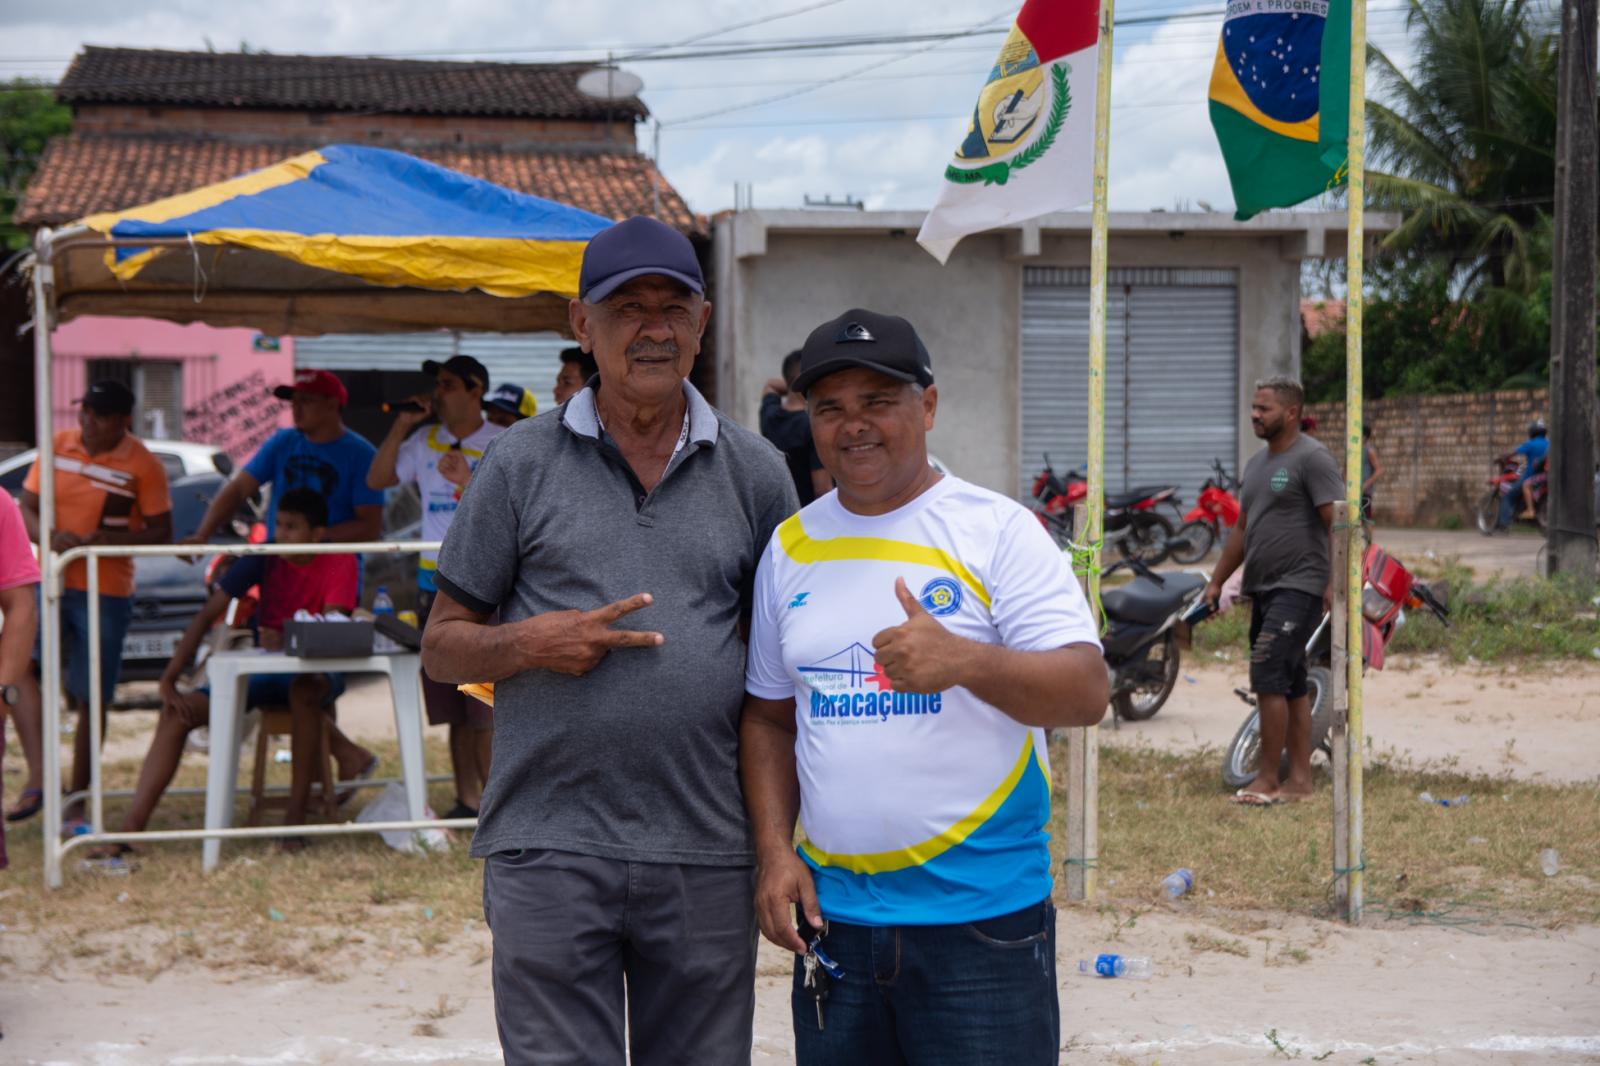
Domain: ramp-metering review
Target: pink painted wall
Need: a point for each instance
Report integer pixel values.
(225, 378)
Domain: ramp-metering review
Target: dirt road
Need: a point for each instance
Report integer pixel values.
(1541, 723)
(1391, 992)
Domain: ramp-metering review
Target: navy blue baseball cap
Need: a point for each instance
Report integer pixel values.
(632, 249)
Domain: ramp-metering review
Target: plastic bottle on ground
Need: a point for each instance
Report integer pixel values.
(1550, 862)
(381, 603)
(1178, 882)
(1106, 965)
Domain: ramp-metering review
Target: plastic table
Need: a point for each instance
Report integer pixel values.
(230, 672)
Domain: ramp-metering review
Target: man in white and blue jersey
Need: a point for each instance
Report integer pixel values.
(913, 636)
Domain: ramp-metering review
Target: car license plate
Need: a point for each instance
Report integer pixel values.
(150, 645)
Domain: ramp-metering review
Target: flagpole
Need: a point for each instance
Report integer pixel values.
(1083, 745)
(1355, 733)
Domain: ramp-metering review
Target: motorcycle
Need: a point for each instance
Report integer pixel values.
(1141, 639)
(1503, 475)
(1132, 524)
(1209, 520)
(1388, 588)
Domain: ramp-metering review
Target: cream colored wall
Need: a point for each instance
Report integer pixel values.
(968, 313)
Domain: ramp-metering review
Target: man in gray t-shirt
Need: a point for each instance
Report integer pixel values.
(618, 862)
(1286, 502)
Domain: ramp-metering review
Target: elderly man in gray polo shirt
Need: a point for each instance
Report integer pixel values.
(617, 536)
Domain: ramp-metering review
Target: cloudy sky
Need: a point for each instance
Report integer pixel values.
(876, 123)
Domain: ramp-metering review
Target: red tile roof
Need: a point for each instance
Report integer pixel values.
(80, 175)
(1319, 316)
(333, 83)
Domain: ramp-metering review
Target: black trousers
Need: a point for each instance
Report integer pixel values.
(579, 941)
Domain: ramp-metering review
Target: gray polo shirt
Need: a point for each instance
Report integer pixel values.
(637, 759)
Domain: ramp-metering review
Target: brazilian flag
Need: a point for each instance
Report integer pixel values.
(1280, 100)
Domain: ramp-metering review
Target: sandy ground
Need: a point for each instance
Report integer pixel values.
(1393, 993)
(1387, 992)
(1540, 724)
(1515, 554)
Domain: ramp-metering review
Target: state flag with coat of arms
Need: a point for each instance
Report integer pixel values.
(1029, 146)
(1280, 100)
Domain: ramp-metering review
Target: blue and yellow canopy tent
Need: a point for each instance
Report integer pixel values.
(341, 239)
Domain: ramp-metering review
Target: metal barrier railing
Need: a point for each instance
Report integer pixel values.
(54, 565)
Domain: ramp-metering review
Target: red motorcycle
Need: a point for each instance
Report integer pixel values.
(1503, 475)
(1208, 521)
(1388, 589)
(1131, 521)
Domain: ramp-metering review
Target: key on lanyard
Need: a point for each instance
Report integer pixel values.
(820, 972)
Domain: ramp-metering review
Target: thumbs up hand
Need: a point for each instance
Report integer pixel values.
(920, 654)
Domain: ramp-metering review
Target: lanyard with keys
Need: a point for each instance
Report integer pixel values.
(820, 971)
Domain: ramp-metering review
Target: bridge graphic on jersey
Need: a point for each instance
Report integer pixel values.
(857, 662)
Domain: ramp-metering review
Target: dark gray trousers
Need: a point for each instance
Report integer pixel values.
(577, 937)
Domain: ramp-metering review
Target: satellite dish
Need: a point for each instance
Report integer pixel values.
(610, 83)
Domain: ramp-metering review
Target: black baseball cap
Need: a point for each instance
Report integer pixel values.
(858, 338)
(464, 367)
(633, 248)
(108, 398)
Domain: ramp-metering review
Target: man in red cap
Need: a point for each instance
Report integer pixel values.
(317, 453)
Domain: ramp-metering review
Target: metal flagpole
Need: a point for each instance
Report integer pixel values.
(1083, 745)
(1356, 732)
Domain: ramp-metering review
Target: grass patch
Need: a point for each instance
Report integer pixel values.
(1457, 865)
(1512, 619)
(351, 897)
(1200, 943)
(300, 914)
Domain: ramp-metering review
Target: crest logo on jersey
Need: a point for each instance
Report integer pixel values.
(941, 596)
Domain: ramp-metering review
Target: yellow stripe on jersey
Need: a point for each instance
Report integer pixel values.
(437, 445)
(883, 862)
(800, 547)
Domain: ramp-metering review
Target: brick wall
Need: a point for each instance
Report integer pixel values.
(1435, 450)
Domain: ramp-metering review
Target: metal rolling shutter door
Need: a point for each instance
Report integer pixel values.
(1172, 357)
(527, 359)
(1183, 358)
(1055, 371)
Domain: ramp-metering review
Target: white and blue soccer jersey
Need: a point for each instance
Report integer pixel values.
(915, 809)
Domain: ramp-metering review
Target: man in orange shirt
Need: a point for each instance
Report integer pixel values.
(109, 490)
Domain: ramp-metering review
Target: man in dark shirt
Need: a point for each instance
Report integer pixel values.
(1285, 515)
(617, 539)
(785, 422)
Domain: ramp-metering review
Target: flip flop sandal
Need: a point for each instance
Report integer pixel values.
(1246, 798)
(29, 803)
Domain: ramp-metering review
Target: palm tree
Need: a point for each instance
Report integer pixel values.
(1465, 145)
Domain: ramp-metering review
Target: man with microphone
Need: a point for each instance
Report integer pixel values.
(438, 460)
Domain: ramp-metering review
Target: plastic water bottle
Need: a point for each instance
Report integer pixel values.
(1178, 882)
(381, 603)
(1131, 966)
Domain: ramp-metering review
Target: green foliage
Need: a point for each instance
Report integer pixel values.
(1523, 619)
(29, 116)
(1465, 144)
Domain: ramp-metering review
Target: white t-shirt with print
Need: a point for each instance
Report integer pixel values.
(916, 809)
(418, 461)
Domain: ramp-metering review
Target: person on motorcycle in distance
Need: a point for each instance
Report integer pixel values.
(1286, 500)
(1535, 451)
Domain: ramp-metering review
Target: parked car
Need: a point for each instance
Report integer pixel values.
(167, 591)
